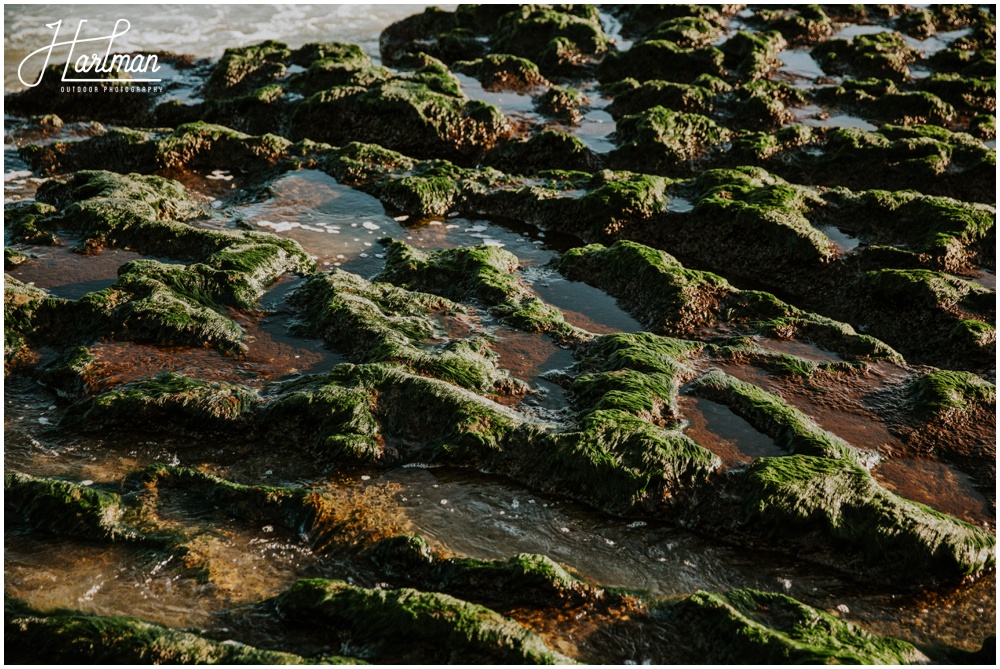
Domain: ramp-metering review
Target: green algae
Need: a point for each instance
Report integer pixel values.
(753, 55)
(687, 32)
(771, 206)
(803, 24)
(670, 299)
(71, 509)
(378, 322)
(662, 60)
(547, 150)
(791, 430)
(879, 55)
(423, 114)
(943, 227)
(698, 97)
(944, 391)
(67, 637)
(454, 630)
(167, 400)
(805, 499)
(153, 301)
(420, 196)
(503, 71)
(610, 459)
(210, 146)
(562, 103)
(526, 578)
(70, 372)
(926, 288)
(487, 274)
(21, 224)
(244, 68)
(557, 39)
(770, 628)
(660, 140)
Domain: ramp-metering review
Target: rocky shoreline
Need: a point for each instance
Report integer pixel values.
(827, 290)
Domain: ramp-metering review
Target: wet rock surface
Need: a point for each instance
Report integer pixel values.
(650, 333)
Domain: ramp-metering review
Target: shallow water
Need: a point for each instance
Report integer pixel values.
(820, 117)
(715, 427)
(854, 29)
(799, 67)
(340, 226)
(797, 348)
(582, 305)
(594, 128)
(845, 241)
(71, 275)
(937, 485)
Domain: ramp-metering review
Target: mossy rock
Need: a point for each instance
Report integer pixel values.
(524, 578)
(928, 158)
(69, 637)
(21, 306)
(424, 114)
(22, 219)
(881, 99)
(420, 196)
(358, 163)
(650, 283)
(70, 509)
(769, 628)
(378, 322)
(791, 429)
(671, 299)
(298, 511)
(880, 55)
(615, 199)
(447, 628)
(547, 150)
(927, 289)
(330, 418)
(805, 24)
(688, 32)
(562, 103)
(949, 229)
(503, 72)
(698, 97)
(766, 104)
(968, 94)
(639, 20)
(661, 60)
(771, 207)
(559, 39)
(71, 373)
(209, 146)
(243, 69)
(835, 504)
(13, 259)
(153, 301)
(753, 55)
(167, 400)
(945, 391)
(611, 459)
(661, 141)
(329, 64)
(192, 145)
(487, 274)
